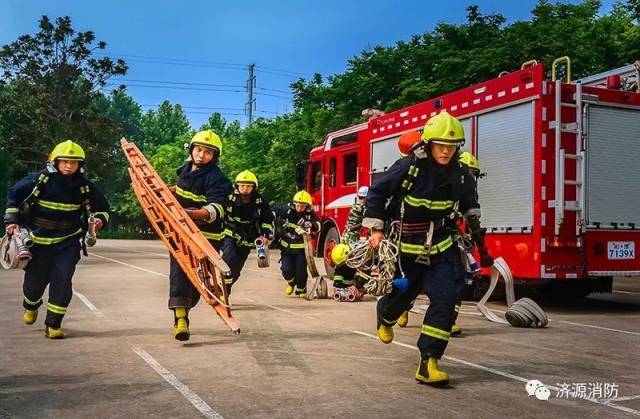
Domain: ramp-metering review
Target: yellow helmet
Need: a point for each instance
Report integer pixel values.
(247, 176)
(443, 129)
(339, 253)
(67, 150)
(469, 160)
(207, 138)
(302, 197)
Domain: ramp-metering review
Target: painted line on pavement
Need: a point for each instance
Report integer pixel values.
(599, 327)
(625, 292)
(99, 314)
(129, 265)
(192, 397)
(504, 374)
(622, 399)
(128, 249)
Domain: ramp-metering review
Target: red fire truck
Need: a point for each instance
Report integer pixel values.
(561, 192)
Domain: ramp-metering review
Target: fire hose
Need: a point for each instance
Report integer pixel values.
(14, 249)
(91, 237)
(262, 249)
(522, 313)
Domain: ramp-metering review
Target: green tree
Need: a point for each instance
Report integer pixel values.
(163, 126)
(49, 86)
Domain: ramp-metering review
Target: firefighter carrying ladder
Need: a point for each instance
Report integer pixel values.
(198, 259)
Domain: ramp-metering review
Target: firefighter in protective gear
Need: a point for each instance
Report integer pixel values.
(344, 277)
(472, 165)
(423, 193)
(54, 205)
(247, 217)
(202, 190)
(351, 232)
(471, 162)
(297, 215)
(407, 141)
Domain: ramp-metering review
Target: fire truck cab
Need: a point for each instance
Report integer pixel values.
(561, 193)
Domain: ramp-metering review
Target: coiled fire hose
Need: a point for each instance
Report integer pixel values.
(14, 249)
(522, 313)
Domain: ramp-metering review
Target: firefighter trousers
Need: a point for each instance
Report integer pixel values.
(54, 265)
(294, 270)
(343, 276)
(182, 293)
(440, 282)
(235, 256)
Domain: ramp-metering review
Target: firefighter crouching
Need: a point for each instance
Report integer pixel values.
(346, 286)
(202, 189)
(299, 214)
(55, 206)
(248, 217)
(425, 190)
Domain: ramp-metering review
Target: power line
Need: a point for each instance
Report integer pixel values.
(213, 108)
(199, 84)
(273, 90)
(290, 76)
(178, 82)
(270, 95)
(284, 71)
(239, 66)
(148, 58)
(179, 88)
(140, 60)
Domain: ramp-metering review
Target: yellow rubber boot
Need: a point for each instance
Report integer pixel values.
(181, 327)
(385, 333)
(403, 320)
(30, 316)
(289, 290)
(456, 330)
(429, 373)
(53, 333)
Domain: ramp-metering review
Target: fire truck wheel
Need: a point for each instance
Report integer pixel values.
(330, 239)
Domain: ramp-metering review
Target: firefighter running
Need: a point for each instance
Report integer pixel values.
(55, 205)
(247, 218)
(472, 165)
(202, 190)
(297, 217)
(424, 191)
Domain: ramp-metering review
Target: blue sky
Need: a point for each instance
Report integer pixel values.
(294, 37)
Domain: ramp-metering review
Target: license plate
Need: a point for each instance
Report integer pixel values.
(621, 250)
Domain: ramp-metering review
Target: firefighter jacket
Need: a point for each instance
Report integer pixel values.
(55, 207)
(291, 241)
(245, 222)
(354, 224)
(207, 187)
(422, 191)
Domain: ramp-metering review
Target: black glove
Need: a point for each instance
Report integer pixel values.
(486, 261)
(477, 232)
